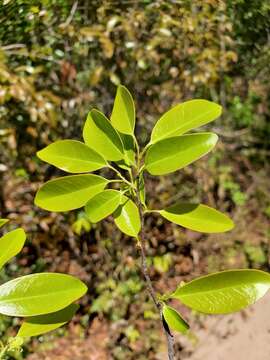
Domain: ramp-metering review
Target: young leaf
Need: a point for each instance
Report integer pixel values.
(123, 114)
(141, 188)
(11, 244)
(174, 319)
(99, 134)
(72, 156)
(102, 205)
(39, 294)
(185, 117)
(172, 154)
(224, 292)
(198, 217)
(127, 217)
(129, 149)
(41, 324)
(69, 192)
(3, 222)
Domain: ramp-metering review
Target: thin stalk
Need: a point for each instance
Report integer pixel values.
(149, 285)
(121, 176)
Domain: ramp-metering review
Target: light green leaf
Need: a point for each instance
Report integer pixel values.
(72, 156)
(129, 152)
(69, 192)
(175, 153)
(127, 217)
(39, 294)
(41, 324)
(174, 319)
(100, 135)
(224, 292)
(102, 205)
(184, 117)
(3, 222)
(198, 217)
(123, 114)
(11, 244)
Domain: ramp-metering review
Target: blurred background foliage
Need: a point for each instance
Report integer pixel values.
(58, 59)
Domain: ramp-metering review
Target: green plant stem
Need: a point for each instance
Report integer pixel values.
(121, 176)
(149, 285)
(3, 352)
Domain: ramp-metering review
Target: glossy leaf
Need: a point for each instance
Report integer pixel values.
(41, 324)
(198, 217)
(100, 135)
(129, 150)
(11, 244)
(102, 205)
(184, 117)
(69, 192)
(172, 154)
(3, 222)
(174, 319)
(39, 294)
(127, 217)
(123, 114)
(224, 292)
(72, 156)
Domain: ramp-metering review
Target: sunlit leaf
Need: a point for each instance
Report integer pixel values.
(224, 292)
(69, 192)
(129, 151)
(41, 324)
(172, 154)
(198, 217)
(3, 222)
(39, 294)
(11, 244)
(123, 114)
(102, 205)
(174, 319)
(127, 217)
(100, 135)
(184, 117)
(72, 156)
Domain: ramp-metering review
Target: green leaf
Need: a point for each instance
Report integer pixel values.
(174, 319)
(123, 114)
(102, 205)
(3, 222)
(224, 292)
(99, 134)
(175, 153)
(184, 117)
(198, 217)
(142, 188)
(127, 217)
(69, 192)
(41, 324)
(129, 151)
(72, 156)
(11, 244)
(39, 294)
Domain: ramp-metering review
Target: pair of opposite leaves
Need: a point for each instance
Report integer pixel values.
(44, 299)
(113, 140)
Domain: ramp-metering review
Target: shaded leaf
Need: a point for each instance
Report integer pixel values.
(3, 222)
(174, 319)
(123, 114)
(69, 192)
(184, 117)
(11, 244)
(102, 205)
(198, 217)
(72, 156)
(41, 324)
(39, 294)
(100, 135)
(172, 154)
(127, 217)
(224, 292)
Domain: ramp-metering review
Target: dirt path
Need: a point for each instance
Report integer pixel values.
(242, 336)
